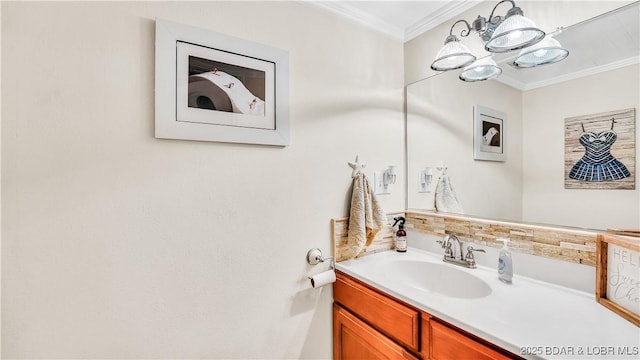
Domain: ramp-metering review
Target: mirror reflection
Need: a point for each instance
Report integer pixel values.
(595, 90)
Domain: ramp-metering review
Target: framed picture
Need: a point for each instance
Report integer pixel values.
(488, 134)
(618, 273)
(600, 151)
(215, 87)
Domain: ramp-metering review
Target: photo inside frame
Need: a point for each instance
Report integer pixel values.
(491, 133)
(221, 88)
(491, 137)
(488, 134)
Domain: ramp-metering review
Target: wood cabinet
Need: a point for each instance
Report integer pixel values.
(354, 339)
(368, 324)
(398, 321)
(447, 343)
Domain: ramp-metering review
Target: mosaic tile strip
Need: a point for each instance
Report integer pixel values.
(427, 224)
(487, 233)
(578, 246)
(382, 242)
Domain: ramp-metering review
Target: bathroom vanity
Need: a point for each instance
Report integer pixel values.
(369, 324)
(442, 311)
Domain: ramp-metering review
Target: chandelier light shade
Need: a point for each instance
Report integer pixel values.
(547, 51)
(479, 70)
(515, 32)
(453, 55)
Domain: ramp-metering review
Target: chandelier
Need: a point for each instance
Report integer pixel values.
(500, 34)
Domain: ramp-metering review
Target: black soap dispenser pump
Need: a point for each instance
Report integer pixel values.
(401, 235)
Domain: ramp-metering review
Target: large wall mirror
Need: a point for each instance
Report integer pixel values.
(600, 75)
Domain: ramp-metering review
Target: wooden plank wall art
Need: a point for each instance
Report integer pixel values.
(600, 151)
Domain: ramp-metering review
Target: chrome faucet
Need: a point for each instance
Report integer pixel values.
(450, 250)
(451, 255)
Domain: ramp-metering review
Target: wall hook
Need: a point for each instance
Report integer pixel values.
(357, 167)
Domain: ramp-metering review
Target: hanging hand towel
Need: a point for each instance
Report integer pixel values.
(366, 217)
(446, 199)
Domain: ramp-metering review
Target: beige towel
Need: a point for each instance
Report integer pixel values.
(366, 217)
(446, 199)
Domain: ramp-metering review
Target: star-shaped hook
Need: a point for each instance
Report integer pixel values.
(357, 167)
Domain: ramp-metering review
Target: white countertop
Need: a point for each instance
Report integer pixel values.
(533, 319)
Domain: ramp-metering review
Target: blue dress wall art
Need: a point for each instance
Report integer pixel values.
(600, 151)
(598, 164)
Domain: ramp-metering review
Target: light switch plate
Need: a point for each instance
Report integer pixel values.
(378, 185)
(423, 188)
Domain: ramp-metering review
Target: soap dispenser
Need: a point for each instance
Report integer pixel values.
(505, 263)
(401, 235)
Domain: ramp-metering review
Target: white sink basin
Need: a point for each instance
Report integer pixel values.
(438, 278)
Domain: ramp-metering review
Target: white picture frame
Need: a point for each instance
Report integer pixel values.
(214, 87)
(488, 134)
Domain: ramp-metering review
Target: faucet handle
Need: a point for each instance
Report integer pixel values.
(469, 257)
(446, 245)
(445, 242)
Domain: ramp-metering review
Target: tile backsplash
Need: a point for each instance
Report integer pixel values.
(568, 244)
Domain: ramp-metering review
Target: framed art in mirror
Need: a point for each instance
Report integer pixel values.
(488, 134)
(215, 87)
(600, 151)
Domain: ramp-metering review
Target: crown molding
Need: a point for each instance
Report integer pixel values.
(445, 13)
(360, 17)
(571, 76)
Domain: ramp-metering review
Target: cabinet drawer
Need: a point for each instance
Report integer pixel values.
(447, 343)
(396, 320)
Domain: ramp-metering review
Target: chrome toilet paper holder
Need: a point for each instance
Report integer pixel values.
(314, 257)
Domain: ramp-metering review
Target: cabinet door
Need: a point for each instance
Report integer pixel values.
(447, 343)
(353, 339)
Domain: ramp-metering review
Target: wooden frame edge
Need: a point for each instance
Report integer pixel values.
(602, 248)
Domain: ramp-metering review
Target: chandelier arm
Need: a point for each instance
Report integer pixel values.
(464, 32)
(513, 4)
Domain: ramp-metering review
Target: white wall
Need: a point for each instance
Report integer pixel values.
(120, 245)
(544, 198)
